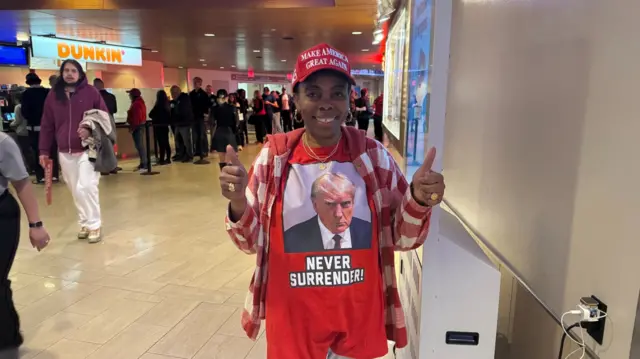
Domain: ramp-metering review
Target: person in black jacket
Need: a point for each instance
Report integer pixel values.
(32, 107)
(225, 116)
(200, 103)
(112, 105)
(109, 98)
(161, 115)
(363, 110)
(244, 109)
(182, 119)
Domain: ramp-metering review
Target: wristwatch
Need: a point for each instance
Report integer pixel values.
(36, 225)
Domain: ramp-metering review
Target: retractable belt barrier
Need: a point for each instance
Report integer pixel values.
(147, 126)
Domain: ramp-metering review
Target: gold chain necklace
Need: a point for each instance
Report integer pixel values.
(313, 155)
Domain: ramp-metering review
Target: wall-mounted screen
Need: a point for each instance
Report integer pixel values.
(13, 55)
(394, 71)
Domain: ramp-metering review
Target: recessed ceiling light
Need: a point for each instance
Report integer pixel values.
(154, 50)
(209, 35)
(180, 67)
(256, 50)
(283, 60)
(273, 29)
(221, 67)
(204, 65)
(365, 50)
(201, 60)
(356, 33)
(233, 66)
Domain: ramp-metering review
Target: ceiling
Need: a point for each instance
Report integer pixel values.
(176, 29)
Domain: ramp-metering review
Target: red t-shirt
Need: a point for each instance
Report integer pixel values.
(325, 283)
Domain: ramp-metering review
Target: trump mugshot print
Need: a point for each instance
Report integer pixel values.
(326, 209)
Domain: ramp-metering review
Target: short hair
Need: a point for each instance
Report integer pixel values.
(97, 80)
(33, 79)
(197, 78)
(266, 89)
(332, 182)
(175, 87)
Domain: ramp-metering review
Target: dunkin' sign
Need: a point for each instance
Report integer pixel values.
(85, 51)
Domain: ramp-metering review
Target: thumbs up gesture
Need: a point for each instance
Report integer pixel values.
(233, 177)
(427, 187)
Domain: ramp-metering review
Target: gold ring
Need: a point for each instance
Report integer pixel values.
(231, 187)
(434, 196)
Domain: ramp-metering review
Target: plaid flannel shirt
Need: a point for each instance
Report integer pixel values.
(403, 223)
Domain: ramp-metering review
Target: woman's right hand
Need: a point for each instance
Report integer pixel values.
(233, 182)
(43, 160)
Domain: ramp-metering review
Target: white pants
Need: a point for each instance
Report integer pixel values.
(82, 180)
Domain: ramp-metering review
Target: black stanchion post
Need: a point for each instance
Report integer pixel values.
(147, 138)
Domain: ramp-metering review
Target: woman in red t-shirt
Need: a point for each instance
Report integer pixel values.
(324, 207)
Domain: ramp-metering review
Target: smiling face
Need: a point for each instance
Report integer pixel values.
(323, 101)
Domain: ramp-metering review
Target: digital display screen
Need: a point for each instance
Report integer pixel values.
(9, 116)
(13, 55)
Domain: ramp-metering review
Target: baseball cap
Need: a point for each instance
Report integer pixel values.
(135, 92)
(321, 57)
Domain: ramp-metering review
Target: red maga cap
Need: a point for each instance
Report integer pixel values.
(321, 57)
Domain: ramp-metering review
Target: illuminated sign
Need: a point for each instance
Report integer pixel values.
(39, 63)
(366, 72)
(63, 49)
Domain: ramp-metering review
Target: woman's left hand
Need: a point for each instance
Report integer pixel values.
(84, 133)
(427, 186)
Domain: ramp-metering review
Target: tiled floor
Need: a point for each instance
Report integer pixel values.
(165, 283)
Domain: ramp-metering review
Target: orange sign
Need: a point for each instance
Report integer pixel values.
(49, 47)
(89, 53)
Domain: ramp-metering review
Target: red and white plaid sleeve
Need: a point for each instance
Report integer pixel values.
(245, 232)
(411, 220)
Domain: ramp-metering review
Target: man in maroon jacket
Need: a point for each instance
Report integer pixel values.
(64, 109)
(136, 118)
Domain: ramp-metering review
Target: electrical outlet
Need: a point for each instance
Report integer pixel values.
(596, 329)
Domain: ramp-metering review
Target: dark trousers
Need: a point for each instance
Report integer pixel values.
(241, 134)
(377, 127)
(363, 123)
(34, 138)
(185, 152)
(161, 134)
(200, 139)
(268, 123)
(260, 126)
(9, 237)
(287, 124)
(24, 142)
(138, 134)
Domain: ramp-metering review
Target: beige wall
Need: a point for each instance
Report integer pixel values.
(149, 75)
(541, 153)
(16, 75)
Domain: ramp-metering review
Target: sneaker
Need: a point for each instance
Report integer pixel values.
(84, 233)
(95, 236)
